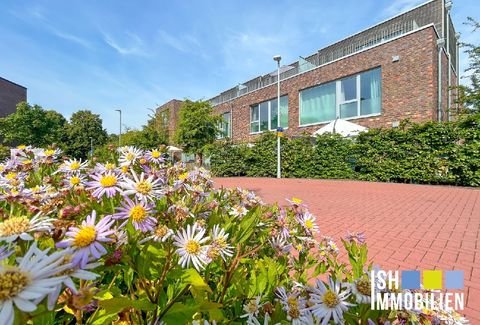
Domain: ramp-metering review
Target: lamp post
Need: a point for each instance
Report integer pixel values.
(120, 134)
(278, 58)
(91, 147)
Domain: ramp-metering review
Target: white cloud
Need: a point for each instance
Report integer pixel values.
(133, 45)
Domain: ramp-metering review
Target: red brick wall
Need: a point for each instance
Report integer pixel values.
(10, 95)
(408, 86)
(173, 108)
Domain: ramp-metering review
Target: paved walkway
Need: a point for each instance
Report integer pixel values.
(407, 226)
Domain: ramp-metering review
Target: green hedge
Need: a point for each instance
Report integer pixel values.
(431, 153)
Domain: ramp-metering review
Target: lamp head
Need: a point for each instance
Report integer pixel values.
(277, 58)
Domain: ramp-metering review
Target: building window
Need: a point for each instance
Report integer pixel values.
(350, 97)
(225, 126)
(264, 116)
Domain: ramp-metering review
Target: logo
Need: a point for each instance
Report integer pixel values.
(415, 292)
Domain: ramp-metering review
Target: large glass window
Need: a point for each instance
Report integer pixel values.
(350, 97)
(264, 116)
(225, 126)
(318, 104)
(371, 100)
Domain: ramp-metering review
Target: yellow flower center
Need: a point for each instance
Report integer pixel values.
(364, 286)
(220, 242)
(292, 301)
(192, 247)
(75, 180)
(108, 181)
(330, 299)
(11, 175)
(21, 147)
(213, 252)
(309, 224)
(161, 231)
(12, 282)
(130, 156)
(85, 236)
(294, 313)
(75, 165)
(183, 176)
(2, 168)
(138, 213)
(144, 187)
(124, 169)
(143, 161)
(296, 200)
(252, 307)
(14, 226)
(49, 152)
(109, 166)
(155, 154)
(27, 162)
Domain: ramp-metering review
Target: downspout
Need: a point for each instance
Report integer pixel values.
(448, 6)
(457, 42)
(440, 43)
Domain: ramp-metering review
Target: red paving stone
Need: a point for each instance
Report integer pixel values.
(407, 226)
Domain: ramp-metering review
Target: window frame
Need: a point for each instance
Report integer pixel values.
(269, 104)
(338, 102)
(222, 135)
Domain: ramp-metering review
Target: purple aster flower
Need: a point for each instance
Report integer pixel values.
(358, 237)
(139, 212)
(104, 184)
(87, 239)
(5, 252)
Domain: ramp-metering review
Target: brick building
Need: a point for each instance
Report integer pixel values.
(399, 69)
(10, 95)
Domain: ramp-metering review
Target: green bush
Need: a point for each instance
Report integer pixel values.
(428, 153)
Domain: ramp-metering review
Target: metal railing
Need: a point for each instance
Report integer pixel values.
(423, 15)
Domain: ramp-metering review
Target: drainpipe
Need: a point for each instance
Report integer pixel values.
(440, 43)
(448, 6)
(457, 68)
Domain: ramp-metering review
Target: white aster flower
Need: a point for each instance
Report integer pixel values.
(144, 188)
(251, 309)
(31, 280)
(128, 155)
(308, 222)
(191, 247)
(329, 302)
(295, 307)
(72, 166)
(238, 211)
(362, 289)
(20, 227)
(219, 245)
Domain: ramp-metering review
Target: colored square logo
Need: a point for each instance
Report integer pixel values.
(432, 279)
(410, 279)
(454, 280)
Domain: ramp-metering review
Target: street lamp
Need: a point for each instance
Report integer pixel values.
(120, 134)
(278, 58)
(91, 147)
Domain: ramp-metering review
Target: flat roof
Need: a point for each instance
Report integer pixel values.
(13, 83)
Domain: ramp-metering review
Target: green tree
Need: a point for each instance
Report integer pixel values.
(197, 127)
(469, 95)
(145, 138)
(84, 128)
(32, 125)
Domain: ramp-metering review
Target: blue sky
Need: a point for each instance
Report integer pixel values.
(136, 55)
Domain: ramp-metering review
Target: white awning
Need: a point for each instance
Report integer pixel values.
(342, 127)
(173, 149)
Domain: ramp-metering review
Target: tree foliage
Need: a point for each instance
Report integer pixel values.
(197, 127)
(84, 128)
(469, 95)
(32, 125)
(432, 153)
